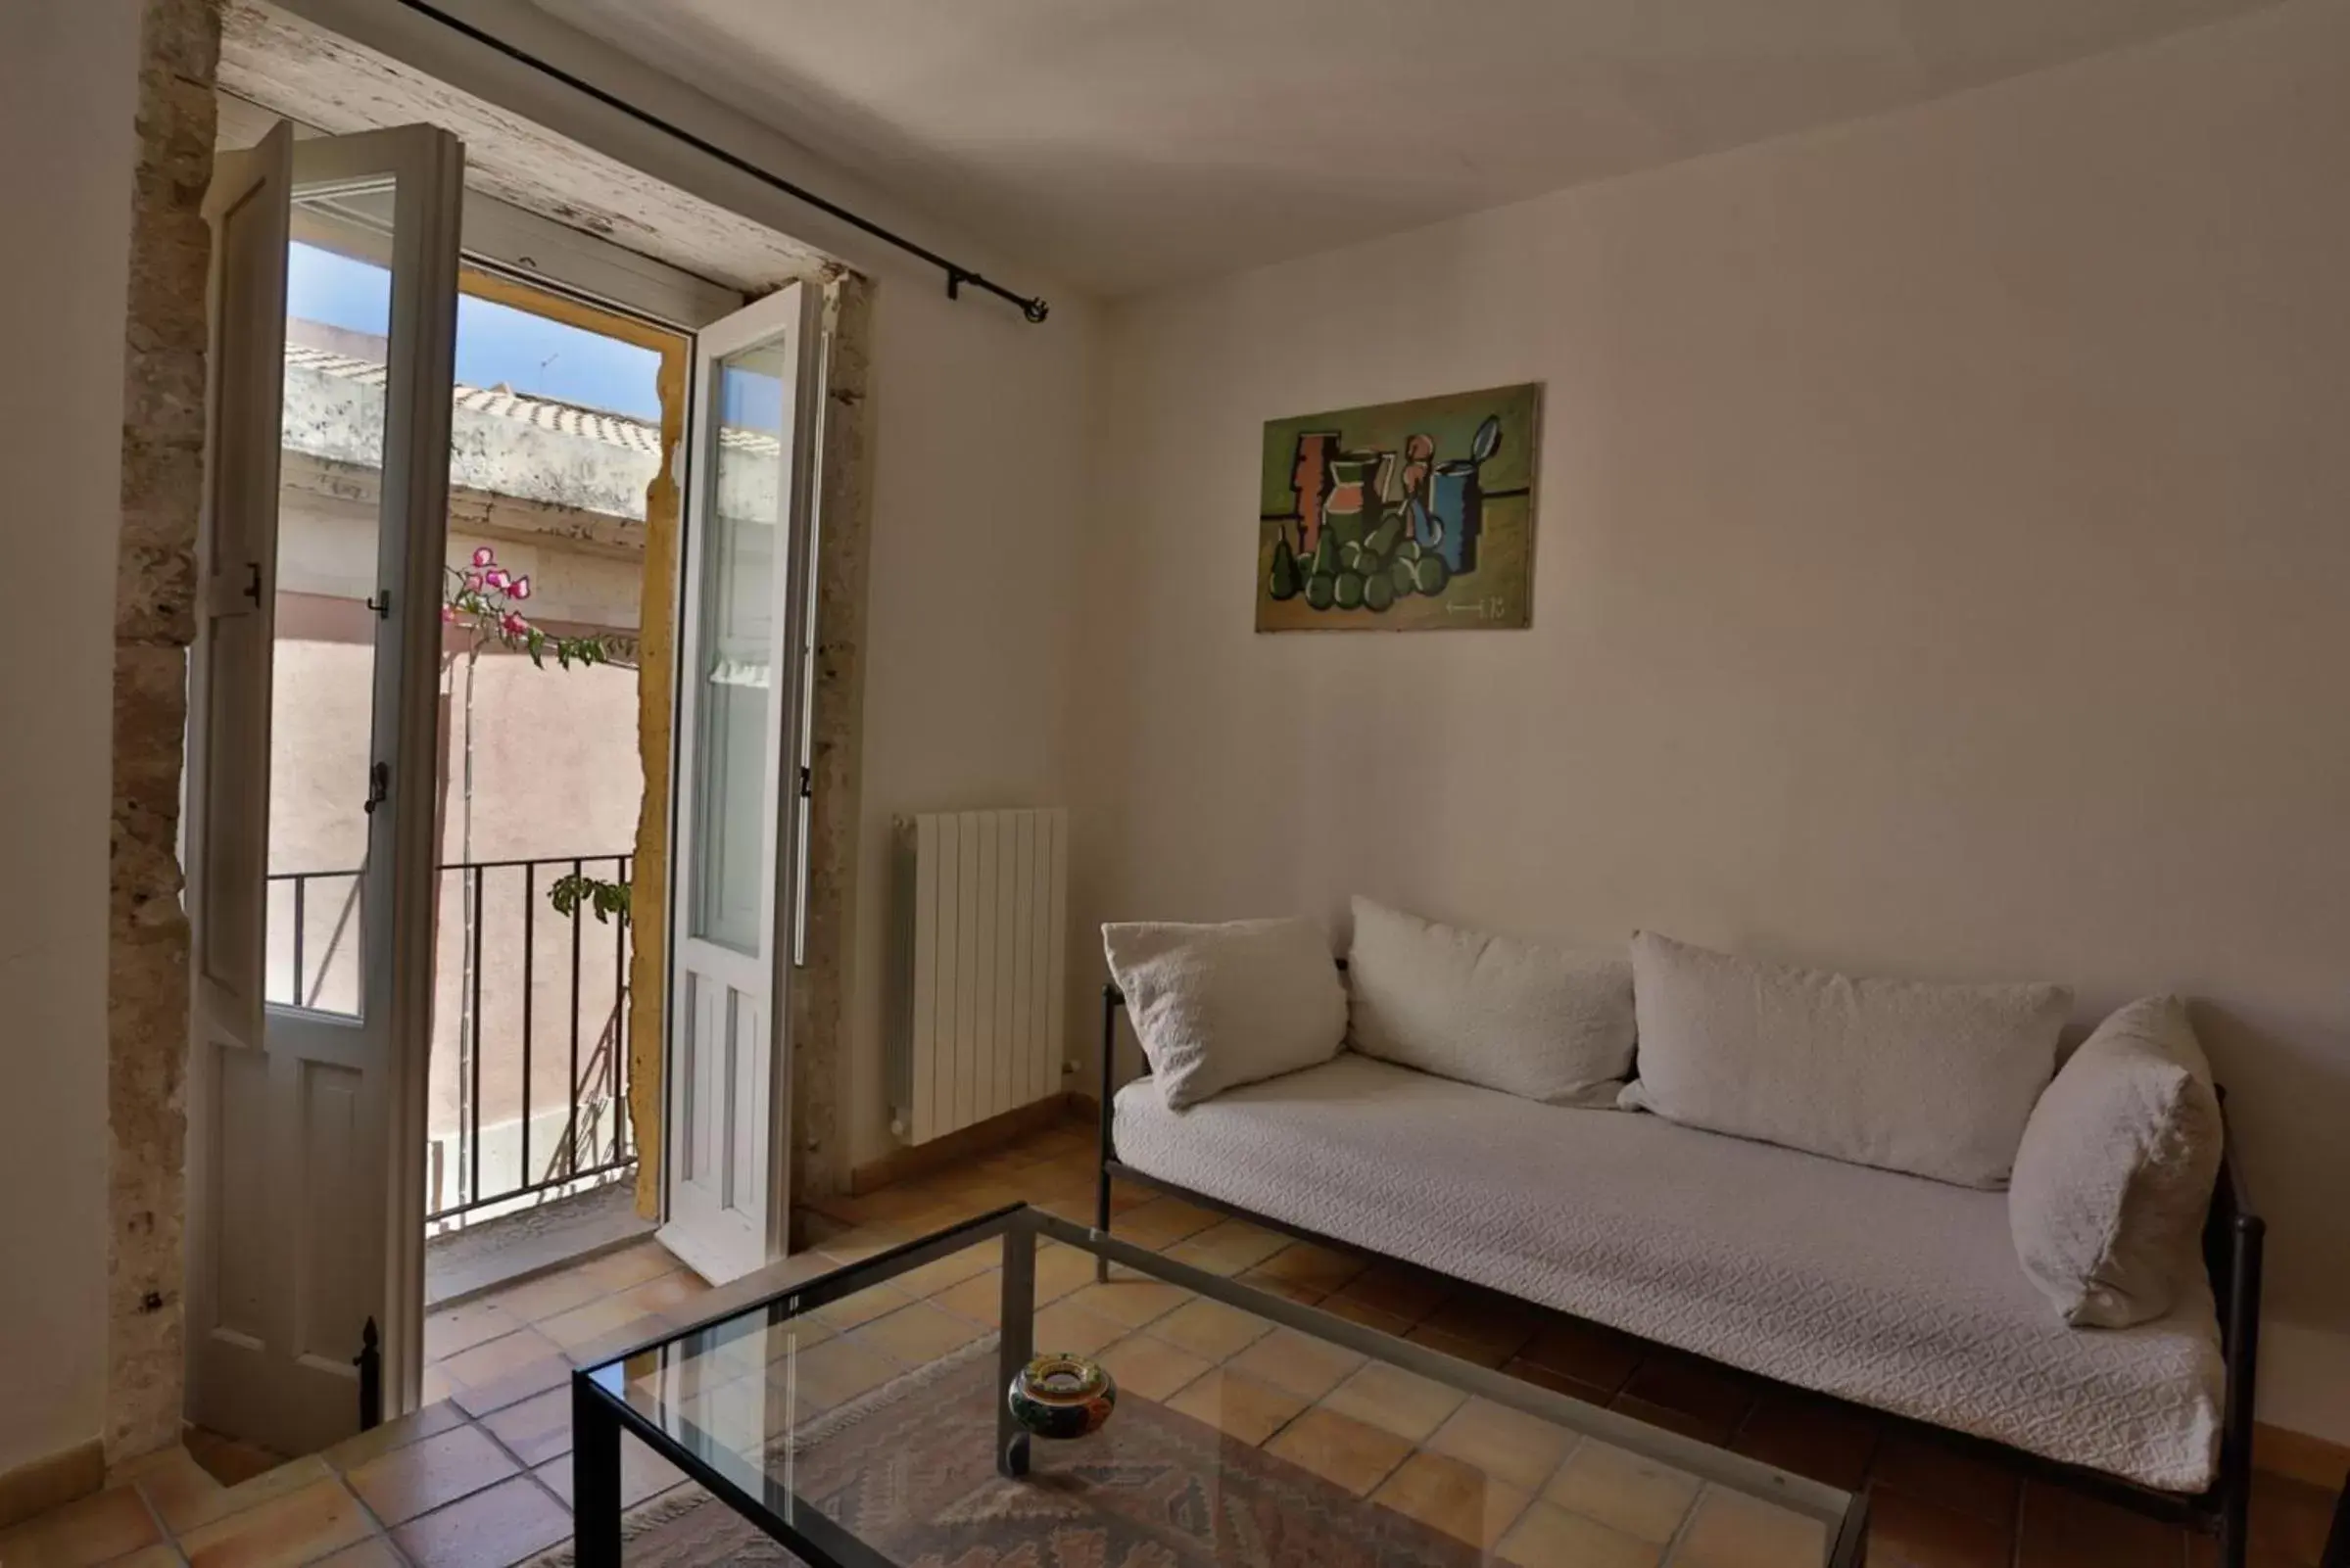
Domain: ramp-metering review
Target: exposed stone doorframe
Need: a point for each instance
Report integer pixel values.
(818, 1164)
(147, 936)
(163, 479)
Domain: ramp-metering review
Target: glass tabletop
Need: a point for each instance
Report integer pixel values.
(861, 1419)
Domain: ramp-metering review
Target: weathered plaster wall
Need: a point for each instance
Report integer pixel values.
(67, 89)
(649, 891)
(162, 464)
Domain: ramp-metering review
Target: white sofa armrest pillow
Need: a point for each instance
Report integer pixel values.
(1936, 1080)
(1535, 1022)
(1216, 1006)
(2115, 1169)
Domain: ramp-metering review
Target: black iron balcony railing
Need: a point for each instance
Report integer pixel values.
(519, 985)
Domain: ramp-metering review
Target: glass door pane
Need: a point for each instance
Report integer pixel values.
(330, 532)
(734, 746)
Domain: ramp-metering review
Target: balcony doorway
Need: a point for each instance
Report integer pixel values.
(558, 479)
(512, 959)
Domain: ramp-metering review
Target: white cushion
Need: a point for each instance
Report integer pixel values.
(1227, 1004)
(1898, 1293)
(2115, 1169)
(1529, 1020)
(1936, 1080)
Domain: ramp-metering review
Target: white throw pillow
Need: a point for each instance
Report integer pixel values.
(1218, 1006)
(1536, 1021)
(1936, 1080)
(2115, 1169)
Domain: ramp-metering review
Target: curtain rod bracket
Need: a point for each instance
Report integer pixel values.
(1032, 307)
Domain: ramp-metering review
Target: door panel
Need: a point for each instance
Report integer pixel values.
(309, 1219)
(333, 1289)
(239, 1198)
(741, 627)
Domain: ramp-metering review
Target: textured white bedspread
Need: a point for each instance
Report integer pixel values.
(1888, 1290)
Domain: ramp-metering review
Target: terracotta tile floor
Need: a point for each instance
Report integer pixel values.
(482, 1477)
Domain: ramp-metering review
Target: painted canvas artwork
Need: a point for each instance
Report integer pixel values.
(1402, 517)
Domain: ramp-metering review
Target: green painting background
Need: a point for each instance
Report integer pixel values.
(1500, 591)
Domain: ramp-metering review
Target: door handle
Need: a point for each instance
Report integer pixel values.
(379, 787)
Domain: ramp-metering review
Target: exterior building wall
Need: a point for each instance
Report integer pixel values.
(537, 762)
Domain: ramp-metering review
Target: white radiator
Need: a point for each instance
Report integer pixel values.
(981, 903)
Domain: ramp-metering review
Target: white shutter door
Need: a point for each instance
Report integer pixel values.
(304, 1105)
(736, 785)
(231, 1316)
(228, 693)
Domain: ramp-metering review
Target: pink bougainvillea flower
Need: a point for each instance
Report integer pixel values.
(484, 555)
(514, 624)
(447, 612)
(473, 580)
(496, 577)
(521, 587)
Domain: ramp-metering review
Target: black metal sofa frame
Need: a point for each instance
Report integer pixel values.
(2233, 1236)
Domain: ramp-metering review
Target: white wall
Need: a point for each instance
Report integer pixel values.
(67, 92)
(979, 511)
(1943, 569)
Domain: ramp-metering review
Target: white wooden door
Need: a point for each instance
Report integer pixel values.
(311, 1013)
(743, 608)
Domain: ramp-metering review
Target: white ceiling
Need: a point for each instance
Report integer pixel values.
(1130, 143)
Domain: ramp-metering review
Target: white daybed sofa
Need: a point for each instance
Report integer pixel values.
(1889, 1290)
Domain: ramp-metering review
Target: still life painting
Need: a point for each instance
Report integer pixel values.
(1402, 516)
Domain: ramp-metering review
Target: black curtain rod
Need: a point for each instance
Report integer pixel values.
(1034, 309)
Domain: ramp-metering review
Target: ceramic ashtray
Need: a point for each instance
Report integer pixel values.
(1061, 1396)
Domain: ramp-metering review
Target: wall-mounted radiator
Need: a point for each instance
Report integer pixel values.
(981, 908)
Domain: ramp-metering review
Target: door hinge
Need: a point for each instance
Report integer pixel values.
(807, 785)
(252, 580)
(379, 786)
(381, 604)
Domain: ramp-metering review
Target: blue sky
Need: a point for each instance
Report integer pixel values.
(495, 343)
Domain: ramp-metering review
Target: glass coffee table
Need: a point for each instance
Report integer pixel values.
(860, 1421)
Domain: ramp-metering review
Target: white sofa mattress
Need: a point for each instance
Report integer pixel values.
(1888, 1290)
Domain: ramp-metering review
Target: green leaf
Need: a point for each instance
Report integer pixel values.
(607, 900)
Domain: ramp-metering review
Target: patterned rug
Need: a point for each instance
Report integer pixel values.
(911, 1470)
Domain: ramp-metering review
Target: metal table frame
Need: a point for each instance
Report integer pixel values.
(603, 1404)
